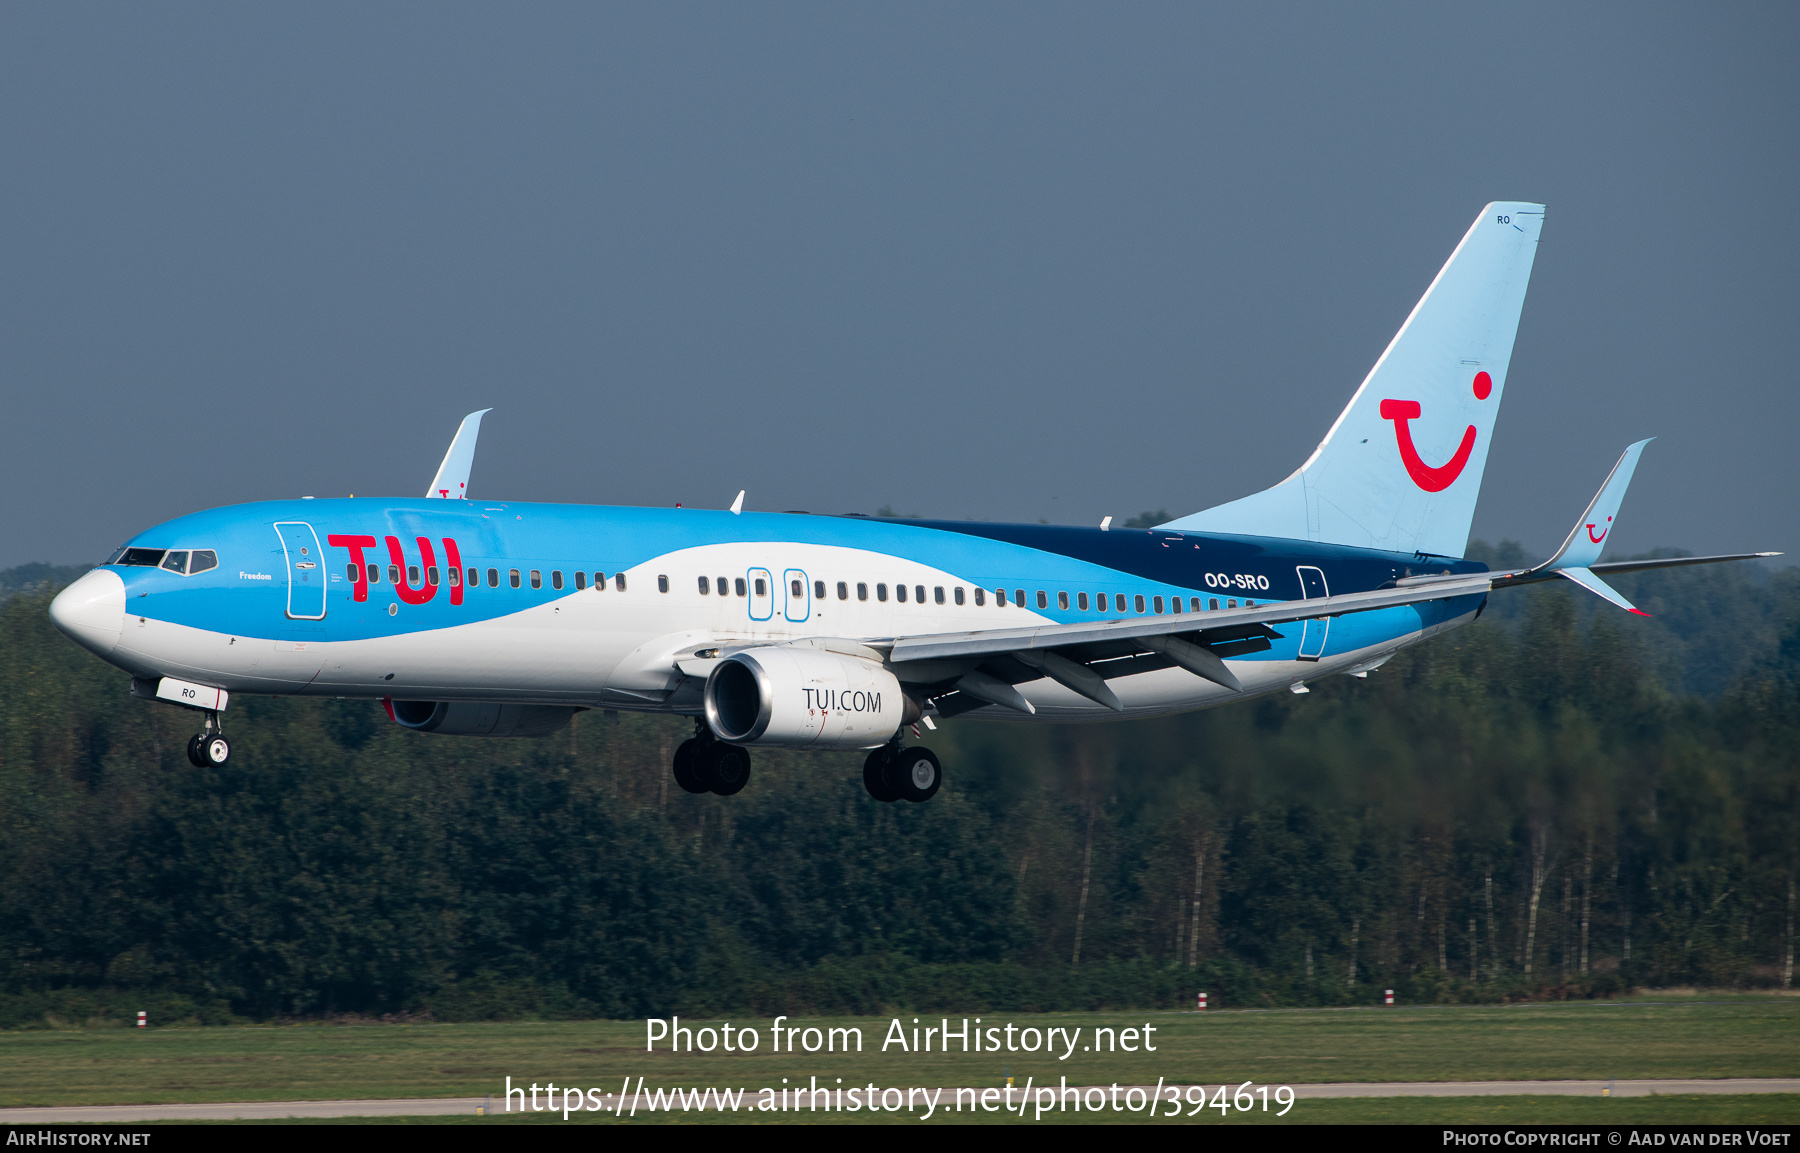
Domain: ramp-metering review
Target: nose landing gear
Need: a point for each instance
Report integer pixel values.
(209, 748)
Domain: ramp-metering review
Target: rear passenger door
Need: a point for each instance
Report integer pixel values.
(1312, 640)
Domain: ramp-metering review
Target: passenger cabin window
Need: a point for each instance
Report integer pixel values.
(844, 591)
(1140, 602)
(431, 574)
(725, 587)
(175, 561)
(1212, 603)
(537, 578)
(739, 585)
(514, 576)
(202, 560)
(1062, 600)
(494, 578)
(600, 583)
(762, 587)
(704, 589)
(412, 575)
(455, 576)
(394, 574)
(1156, 603)
(796, 589)
(374, 573)
(919, 593)
(937, 594)
(662, 582)
(980, 597)
(618, 582)
(1000, 598)
(1232, 603)
(1043, 600)
(862, 591)
(352, 571)
(819, 590)
(1081, 601)
(900, 593)
(581, 582)
(474, 578)
(881, 592)
(959, 594)
(556, 578)
(1193, 604)
(1019, 597)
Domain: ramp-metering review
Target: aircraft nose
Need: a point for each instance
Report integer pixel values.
(91, 612)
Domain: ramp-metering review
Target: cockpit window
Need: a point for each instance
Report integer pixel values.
(148, 557)
(184, 562)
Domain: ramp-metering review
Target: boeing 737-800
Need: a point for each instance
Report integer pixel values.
(503, 619)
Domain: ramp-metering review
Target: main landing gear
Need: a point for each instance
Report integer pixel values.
(894, 773)
(209, 748)
(705, 764)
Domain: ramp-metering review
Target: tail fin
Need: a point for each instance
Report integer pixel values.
(1432, 397)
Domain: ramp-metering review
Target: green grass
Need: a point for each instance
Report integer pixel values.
(1749, 1038)
(1690, 1109)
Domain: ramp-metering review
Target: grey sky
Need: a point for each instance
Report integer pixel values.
(971, 260)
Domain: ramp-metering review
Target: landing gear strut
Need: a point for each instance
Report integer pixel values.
(209, 748)
(894, 773)
(705, 764)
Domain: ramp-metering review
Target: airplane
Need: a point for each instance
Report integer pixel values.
(506, 619)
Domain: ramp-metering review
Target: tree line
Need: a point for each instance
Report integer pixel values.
(1538, 805)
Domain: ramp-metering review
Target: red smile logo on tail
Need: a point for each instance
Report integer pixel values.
(1425, 476)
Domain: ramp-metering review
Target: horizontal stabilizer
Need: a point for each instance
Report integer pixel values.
(1587, 580)
(452, 480)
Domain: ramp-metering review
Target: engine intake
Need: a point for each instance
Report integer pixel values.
(803, 699)
(475, 719)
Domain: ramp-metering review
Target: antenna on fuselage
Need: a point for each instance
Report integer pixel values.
(452, 480)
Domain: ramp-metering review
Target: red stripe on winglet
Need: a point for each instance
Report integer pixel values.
(1640, 612)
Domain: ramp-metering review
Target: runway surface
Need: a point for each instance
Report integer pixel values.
(447, 1106)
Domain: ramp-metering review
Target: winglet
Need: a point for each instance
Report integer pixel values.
(452, 480)
(1587, 540)
(737, 506)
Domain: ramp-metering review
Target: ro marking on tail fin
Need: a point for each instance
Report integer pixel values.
(1401, 467)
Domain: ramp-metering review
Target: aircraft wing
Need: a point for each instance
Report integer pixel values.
(986, 642)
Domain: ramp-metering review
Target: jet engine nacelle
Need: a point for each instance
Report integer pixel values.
(474, 719)
(803, 698)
